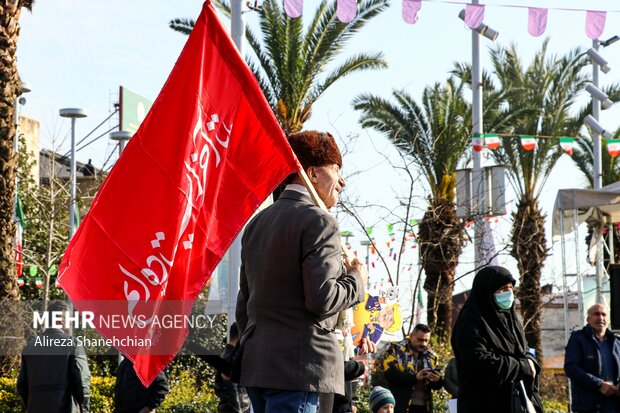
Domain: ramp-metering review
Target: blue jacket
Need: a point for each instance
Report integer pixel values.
(582, 364)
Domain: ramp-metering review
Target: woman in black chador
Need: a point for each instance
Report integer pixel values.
(490, 347)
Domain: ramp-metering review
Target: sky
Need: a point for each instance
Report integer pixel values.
(76, 53)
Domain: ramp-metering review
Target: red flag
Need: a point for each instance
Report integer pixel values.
(206, 156)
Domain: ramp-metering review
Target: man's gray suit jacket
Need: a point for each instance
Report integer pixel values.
(292, 287)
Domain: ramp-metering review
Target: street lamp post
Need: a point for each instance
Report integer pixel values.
(477, 130)
(598, 97)
(121, 137)
(73, 114)
(19, 101)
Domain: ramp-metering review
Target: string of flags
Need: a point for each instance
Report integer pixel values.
(409, 241)
(346, 10)
(33, 272)
(529, 142)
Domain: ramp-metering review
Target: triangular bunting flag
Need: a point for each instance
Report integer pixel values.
(411, 10)
(293, 8)
(474, 14)
(567, 145)
(346, 10)
(595, 23)
(477, 142)
(528, 142)
(491, 141)
(39, 283)
(613, 147)
(537, 21)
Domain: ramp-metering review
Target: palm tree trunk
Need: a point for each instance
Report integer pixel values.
(441, 242)
(9, 87)
(529, 248)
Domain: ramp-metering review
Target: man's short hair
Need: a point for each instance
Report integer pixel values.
(421, 327)
(591, 309)
(58, 306)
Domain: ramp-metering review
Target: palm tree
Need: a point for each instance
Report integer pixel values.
(434, 135)
(289, 61)
(10, 88)
(543, 94)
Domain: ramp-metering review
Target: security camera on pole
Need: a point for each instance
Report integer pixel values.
(598, 98)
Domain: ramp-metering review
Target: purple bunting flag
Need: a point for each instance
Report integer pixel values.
(595, 23)
(293, 8)
(346, 10)
(537, 21)
(411, 10)
(474, 13)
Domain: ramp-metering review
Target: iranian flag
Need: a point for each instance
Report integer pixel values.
(528, 142)
(209, 152)
(613, 147)
(477, 142)
(419, 307)
(18, 243)
(491, 141)
(567, 145)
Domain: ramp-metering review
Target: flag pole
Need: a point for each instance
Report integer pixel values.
(237, 29)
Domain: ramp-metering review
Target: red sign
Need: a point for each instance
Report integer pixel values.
(206, 156)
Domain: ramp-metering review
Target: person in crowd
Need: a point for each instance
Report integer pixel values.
(490, 348)
(54, 374)
(591, 362)
(450, 379)
(293, 284)
(352, 370)
(411, 372)
(381, 400)
(130, 395)
(233, 398)
(451, 384)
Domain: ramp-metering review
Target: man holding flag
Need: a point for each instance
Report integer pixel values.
(205, 157)
(293, 284)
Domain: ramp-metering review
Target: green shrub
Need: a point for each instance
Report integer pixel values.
(9, 400)
(554, 406)
(102, 394)
(363, 393)
(187, 395)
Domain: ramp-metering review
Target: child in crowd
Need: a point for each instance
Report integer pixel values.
(381, 400)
